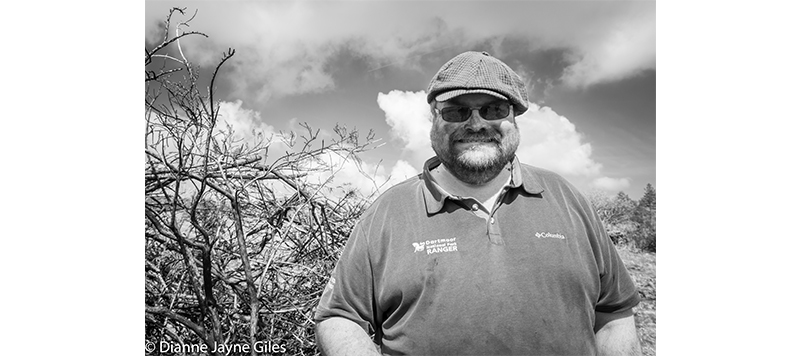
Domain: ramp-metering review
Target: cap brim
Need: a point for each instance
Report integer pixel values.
(458, 92)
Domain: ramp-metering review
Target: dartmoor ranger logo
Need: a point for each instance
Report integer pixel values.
(548, 235)
(436, 246)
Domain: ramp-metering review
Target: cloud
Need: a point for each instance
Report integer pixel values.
(340, 174)
(408, 116)
(401, 171)
(611, 184)
(285, 48)
(246, 125)
(527, 78)
(551, 141)
(343, 174)
(625, 51)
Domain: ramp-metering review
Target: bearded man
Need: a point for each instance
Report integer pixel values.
(480, 254)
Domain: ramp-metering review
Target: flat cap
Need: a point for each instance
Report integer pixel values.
(478, 72)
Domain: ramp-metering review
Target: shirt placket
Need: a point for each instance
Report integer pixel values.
(492, 226)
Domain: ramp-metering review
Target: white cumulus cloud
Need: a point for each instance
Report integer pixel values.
(401, 171)
(408, 116)
(551, 141)
(246, 124)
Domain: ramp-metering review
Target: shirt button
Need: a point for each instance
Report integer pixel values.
(474, 207)
(491, 221)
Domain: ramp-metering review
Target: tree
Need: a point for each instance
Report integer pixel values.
(645, 217)
(238, 242)
(648, 200)
(620, 209)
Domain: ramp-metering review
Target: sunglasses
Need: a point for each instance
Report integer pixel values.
(494, 111)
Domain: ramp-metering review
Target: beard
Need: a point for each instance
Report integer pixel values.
(480, 162)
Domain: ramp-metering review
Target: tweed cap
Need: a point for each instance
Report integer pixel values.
(478, 72)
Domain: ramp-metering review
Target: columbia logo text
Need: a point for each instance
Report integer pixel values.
(549, 235)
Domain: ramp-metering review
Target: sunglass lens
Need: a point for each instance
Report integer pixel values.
(494, 111)
(455, 114)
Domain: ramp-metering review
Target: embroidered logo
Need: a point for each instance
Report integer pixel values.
(549, 235)
(436, 246)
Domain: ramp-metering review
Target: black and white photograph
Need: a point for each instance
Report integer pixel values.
(400, 178)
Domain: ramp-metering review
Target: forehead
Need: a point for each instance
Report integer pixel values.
(477, 99)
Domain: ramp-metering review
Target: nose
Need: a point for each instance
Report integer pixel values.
(475, 122)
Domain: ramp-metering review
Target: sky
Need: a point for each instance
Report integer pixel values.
(589, 67)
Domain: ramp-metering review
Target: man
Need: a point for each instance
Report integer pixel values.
(479, 254)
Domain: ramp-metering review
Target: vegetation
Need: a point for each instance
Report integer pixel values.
(642, 268)
(629, 222)
(632, 226)
(238, 242)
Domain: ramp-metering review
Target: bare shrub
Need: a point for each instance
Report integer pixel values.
(238, 242)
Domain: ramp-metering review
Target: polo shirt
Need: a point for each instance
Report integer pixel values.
(430, 273)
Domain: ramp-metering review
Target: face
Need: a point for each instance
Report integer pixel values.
(476, 145)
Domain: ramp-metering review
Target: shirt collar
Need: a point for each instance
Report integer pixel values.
(435, 195)
(528, 182)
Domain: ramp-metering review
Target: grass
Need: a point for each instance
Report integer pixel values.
(642, 268)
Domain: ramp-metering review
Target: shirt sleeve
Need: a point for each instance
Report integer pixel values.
(618, 292)
(349, 292)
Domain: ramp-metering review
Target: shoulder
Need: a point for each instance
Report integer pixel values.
(544, 175)
(400, 192)
(549, 180)
(400, 197)
(553, 184)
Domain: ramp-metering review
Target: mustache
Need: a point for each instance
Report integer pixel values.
(463, 135)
